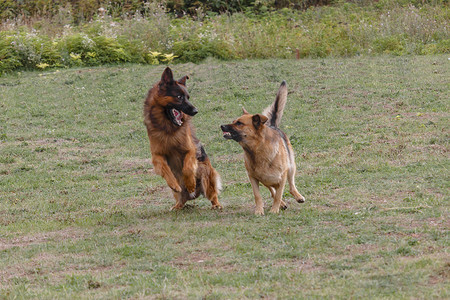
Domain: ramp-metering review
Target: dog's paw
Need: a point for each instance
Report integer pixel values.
(274, 210)
(177, 207)
(216, 206)
(190, 186)
(283, 206)
(300, 199)
(176, 188)
(259, 211)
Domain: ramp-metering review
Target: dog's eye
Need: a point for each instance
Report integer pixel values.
(238, 123)
(180, 97)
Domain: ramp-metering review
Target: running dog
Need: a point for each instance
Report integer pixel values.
(177, 154)
(268, 153)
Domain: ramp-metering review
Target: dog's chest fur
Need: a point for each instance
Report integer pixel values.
(265, 161)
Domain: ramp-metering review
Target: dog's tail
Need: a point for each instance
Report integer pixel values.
(275, 111)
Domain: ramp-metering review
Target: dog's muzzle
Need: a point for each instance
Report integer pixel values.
(229, 133)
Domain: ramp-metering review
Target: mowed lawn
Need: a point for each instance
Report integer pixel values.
(83, 215)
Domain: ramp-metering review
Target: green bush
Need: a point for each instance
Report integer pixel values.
(24, 50)
(109, 50)
(27, 50)
(151, 34)
(436, 48)
(9, 59)
(194, 50)
(389, 45)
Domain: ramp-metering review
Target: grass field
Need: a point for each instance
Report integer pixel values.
(82, 214)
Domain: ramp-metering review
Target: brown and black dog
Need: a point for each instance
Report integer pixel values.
(177, 154)
(268, 153)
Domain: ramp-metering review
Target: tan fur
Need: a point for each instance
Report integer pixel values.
(177, 154)
(268, 154)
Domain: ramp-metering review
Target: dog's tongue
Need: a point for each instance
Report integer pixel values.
(177, 115)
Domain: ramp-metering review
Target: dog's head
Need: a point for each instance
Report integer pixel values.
(245, 127)
(174, 97)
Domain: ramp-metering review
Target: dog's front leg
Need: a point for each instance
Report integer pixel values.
(259, 209)
(180, 201)
(163, 169)
(189, 170)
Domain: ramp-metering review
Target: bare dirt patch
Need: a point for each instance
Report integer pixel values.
(40, 238)
(200, 259)
(441, 275)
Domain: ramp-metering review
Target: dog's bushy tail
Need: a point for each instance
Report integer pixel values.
(275, 111)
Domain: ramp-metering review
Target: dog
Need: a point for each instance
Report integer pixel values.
(268, 154)
(177, 154)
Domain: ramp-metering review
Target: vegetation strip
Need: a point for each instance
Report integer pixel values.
(154, 36)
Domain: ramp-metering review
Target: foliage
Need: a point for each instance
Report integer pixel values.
(341, 30)
(29, 51)
(86, 10)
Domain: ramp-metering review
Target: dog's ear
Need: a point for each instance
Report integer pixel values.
(259, 120)
(244, 111)
(167, 77)
(182, 80)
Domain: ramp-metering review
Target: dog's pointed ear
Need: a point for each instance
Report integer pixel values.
(259, 120)
(182, 80)
(244, 111)
(167, 76)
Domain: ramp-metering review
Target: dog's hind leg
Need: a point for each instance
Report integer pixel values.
(292, 189)
(211, 186)
(283, 204)
(279, 189)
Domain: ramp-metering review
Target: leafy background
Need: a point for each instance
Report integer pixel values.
(45, 34)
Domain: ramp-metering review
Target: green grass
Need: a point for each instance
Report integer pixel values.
(82, 214)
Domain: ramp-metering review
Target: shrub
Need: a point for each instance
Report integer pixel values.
(27, 50)
(83, 49)
(389, 45)
(194, 50)
(9, 59)
(436, 48)
(150, 33)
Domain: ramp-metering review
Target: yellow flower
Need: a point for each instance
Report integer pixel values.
(169, 57)
(42, 65)
(155, 53)
(75, 56)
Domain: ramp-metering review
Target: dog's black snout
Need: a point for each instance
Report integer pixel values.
(189, 109)
(223, 127)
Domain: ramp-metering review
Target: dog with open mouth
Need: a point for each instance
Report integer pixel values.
(177, 154)
(268, 154)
